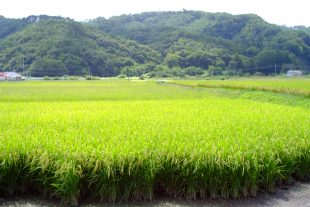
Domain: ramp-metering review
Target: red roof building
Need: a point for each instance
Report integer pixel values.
(11, 76)
(2, 76)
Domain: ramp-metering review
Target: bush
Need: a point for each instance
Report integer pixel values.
(73, 78)
(46, 78)
(66, 77)
(215, 70)
(194, 71)
(206, 75)
(144, 76)
(92, 78)
(88, 78)
(122, 76)
(258, 74)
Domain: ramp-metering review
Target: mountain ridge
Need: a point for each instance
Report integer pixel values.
(78, 46)
(160, 44)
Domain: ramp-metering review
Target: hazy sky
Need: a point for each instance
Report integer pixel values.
(283, 12)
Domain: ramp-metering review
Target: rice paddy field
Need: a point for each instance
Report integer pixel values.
(297, 86)
(119, 140)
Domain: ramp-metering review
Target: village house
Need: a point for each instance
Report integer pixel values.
(13, 76)
(291, 73)
(2, 76)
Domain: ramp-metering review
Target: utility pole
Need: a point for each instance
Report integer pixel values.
(23, 66)
(275, 70)
(89, 72)
(127, 73)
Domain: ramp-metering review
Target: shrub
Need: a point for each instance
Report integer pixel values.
(258, 74)
(122, 76)
(92, 78)
(46, 78)
(73, 78)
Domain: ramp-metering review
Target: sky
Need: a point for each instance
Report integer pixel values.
(281, 12)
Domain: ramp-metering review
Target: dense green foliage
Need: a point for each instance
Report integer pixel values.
(119, 140)
(155, 44)
(302, 28)
(234, 44)
(9, 26)
(48, 67)
(82, 49)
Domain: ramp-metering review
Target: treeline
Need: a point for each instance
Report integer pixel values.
(152, 44)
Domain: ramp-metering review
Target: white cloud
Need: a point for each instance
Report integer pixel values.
(274, 11)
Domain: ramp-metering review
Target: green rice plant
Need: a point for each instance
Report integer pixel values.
(66, 182)
(13, 178)
(136, 140)
(292, 86)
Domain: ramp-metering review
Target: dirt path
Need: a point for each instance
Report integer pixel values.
(297, 195)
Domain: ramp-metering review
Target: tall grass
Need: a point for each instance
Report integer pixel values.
(142, 140)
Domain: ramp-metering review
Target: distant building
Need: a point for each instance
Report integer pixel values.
(12, 76)
(2, 76)
(292, 73)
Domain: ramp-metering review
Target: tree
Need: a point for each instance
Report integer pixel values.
(48, 67)
(193, 71)
(215, 70)
(267, 58)
(75, 65)
(172, 60)
(236, 62)
(286, 67)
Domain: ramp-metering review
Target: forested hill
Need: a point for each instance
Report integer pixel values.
(10, 26)
(152, 43)
(58, 47)
(191, 38)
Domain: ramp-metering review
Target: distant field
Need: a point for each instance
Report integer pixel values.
(119, 140)
(294, 86)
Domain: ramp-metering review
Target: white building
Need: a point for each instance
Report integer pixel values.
(292, 73)
(12, 76)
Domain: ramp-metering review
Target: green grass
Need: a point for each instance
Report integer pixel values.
(292, 86)
(124, 140)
